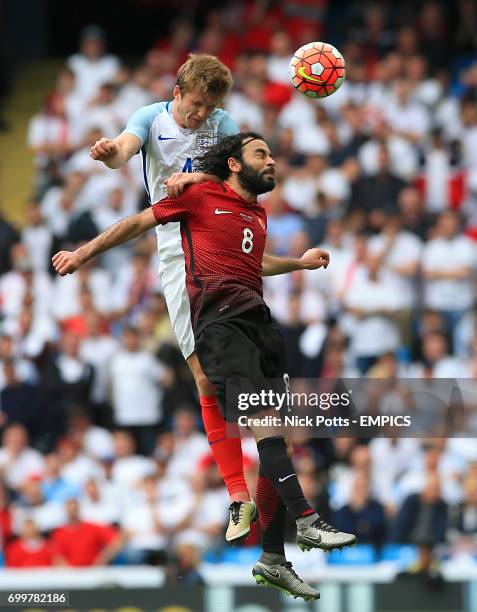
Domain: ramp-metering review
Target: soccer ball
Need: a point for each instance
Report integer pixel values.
(317, 69)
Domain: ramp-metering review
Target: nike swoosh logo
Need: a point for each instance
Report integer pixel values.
(275, 575)
(161, 137)
(223, 212)
(308, 77)
(286, 477)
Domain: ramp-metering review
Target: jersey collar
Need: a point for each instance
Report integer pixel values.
(230, 191)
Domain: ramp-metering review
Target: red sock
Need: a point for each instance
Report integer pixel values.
(227, 452)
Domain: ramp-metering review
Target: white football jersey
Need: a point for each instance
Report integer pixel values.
(168, 148)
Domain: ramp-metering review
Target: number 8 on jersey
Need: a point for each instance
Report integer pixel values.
(247, 242)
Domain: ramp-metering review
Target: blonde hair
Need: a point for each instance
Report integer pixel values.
(207, 72)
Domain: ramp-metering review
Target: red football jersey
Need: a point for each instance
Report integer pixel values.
(223, 238)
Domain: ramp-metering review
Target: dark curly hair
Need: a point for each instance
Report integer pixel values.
(215, 160)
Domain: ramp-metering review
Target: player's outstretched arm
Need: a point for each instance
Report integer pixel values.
(67, 262)
(115, 153)
(177, 182)
(310, 260)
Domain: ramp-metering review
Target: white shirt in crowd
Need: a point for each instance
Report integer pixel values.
(210, 511)
(38, 240)
(104, 511)
(374, 334)
(446, 255)
(98, 352)
(135, 387)
(403, 157)
(407, 118)
(450, 470)
(47, 516)
(91, 74)
(186, 455)
(66, 293)
(18, 469)
(128, 471)
(98, 442)
(139, 517)
(13, 288)
(406, 249)
(82, 467)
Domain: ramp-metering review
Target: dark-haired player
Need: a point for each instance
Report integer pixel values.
(223, 231)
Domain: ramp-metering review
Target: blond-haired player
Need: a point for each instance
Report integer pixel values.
(170, 135)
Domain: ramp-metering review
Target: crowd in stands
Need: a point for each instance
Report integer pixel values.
(102, 442)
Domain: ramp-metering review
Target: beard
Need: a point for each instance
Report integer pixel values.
(255, 182)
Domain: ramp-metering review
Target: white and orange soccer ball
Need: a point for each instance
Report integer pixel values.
(317, 69)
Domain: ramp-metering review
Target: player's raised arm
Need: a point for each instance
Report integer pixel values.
(115, 153)
(67, 262)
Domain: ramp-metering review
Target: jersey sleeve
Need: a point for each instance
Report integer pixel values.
(227, 126)
(177, 209)
(140, 122)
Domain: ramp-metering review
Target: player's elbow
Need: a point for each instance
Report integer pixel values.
(145, 220)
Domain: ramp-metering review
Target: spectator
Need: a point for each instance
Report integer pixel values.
(96, 442)
(189, 445)
(434, 460)
(207, 510)
(448, 263)
(5, 517)
(422, 519)
(412, 212)
(22, 286)
(91, 66)
(462, 531)
(399, 253)
(374, 301)
(97, 349)
(8, 237)
(50, 134)
(81, 544)
(129, 469)
(76, 466)
(33, 334)
(67, 291)
(136, 378)
(67, 381)
(31, 504)
(18, 461)
(54, 485)
(184, 569)
(406, 117)
(283, 226)
(279, 58)
(363, 515)
(436, 360)
(24, 368)
(379, 190)
(31, 549)
(99, 503)
(20, 401)
(145, 537)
